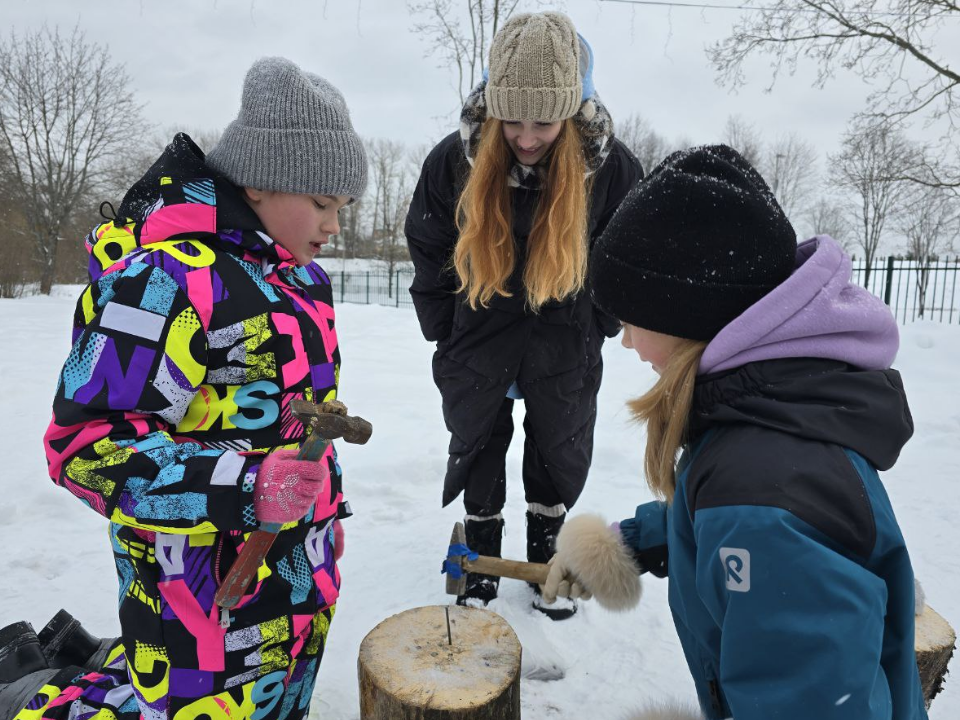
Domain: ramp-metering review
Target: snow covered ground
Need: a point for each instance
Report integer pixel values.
(55, 553)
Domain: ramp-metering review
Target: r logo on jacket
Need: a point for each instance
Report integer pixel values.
(736, 565)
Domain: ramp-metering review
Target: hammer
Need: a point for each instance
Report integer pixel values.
(461, 560)
(326, 421)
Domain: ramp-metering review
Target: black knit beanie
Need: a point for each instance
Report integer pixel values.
(696, 243)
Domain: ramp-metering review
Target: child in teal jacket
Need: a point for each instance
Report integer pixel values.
(789, 579)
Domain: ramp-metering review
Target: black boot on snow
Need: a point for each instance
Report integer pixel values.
(542, 533)
(20, 652)
(65, 642)
(23, 669)
(484, 538)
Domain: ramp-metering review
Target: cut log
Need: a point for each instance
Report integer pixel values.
(416, 666)
(934, 645)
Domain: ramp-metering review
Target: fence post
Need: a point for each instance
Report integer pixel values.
(396, 288)
(343, 284)
(368, 287)
(889, 286)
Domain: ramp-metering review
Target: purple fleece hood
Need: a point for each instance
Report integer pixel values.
(816, 312)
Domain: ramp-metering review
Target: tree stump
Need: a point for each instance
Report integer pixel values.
(418, 666)
(934, 645)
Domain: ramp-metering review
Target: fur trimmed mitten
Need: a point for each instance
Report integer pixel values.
(592, 559)
(666, 712)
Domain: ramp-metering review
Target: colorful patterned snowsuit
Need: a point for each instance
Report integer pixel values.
(195, 333)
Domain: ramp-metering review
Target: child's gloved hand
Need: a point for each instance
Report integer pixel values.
(591, 560)
(286, 488)
(562, 583)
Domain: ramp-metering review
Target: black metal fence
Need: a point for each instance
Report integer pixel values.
(374, 287)
(912, 289)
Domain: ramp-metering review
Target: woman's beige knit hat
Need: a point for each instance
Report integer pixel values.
(534, 69)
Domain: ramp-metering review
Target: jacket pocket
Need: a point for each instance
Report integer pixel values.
(712, 697)
(320, 555)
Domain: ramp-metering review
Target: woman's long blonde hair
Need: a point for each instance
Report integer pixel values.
(664, 409)
(485, 256)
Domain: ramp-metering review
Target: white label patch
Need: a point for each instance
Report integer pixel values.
(736, 568)
(133, 321)
(228, 468)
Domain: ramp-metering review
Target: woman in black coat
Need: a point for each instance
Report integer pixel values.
(499, 230)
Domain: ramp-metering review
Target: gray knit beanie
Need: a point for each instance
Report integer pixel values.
(293, 134)
(534, 69)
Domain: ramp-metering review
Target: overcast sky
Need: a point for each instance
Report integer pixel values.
(187, 59)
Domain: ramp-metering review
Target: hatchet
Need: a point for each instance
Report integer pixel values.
(326, 421)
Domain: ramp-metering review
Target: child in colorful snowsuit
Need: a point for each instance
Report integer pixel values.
(205, 317)
(789, 579)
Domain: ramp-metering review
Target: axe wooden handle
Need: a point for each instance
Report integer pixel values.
(527, 571)
(244, 568)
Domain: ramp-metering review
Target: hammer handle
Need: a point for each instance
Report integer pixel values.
(527, 571)
(258, 544)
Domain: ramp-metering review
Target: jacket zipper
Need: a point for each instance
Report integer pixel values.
(224, 613)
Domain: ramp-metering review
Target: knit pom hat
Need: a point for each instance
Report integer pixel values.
(696, 243)
(293, 134)
(534, 69)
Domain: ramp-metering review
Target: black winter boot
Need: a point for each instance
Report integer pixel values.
(65, 642)
(20, 652)
(484, 538)
(23, 669)
(542, 531)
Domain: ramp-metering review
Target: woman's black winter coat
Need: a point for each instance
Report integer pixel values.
(553, 355)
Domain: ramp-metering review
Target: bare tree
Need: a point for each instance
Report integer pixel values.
(870, 160)
(743, 137)
(16, 268)
(350, 240)
(460, 32)
(392, 178)
(928, 222)
(891, 45)
(65, 110)
(827, 217)
(647, 144)
(790, 167)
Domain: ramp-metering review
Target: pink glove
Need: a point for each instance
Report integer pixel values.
(287, 488)
(337, 540)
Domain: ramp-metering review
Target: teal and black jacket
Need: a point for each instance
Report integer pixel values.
(790, 583)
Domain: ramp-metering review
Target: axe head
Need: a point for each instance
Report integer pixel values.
(331, 421)
(456, 585)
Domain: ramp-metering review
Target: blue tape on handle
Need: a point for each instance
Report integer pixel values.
(454, 569)
(461, 549)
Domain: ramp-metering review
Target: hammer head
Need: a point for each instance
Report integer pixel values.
(456, 575)
(330, 421)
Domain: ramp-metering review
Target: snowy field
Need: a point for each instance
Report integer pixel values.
(56, 553)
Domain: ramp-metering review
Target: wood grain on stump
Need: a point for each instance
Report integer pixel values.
(934, 645)
(411, 668)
